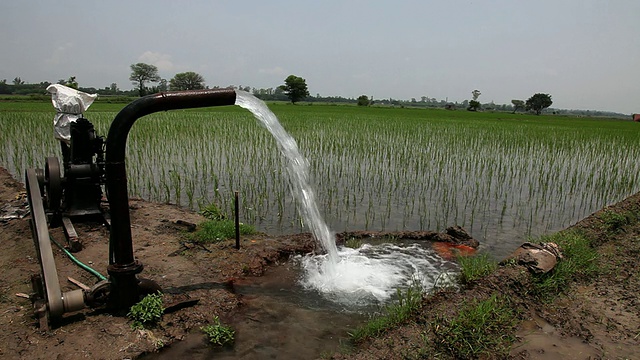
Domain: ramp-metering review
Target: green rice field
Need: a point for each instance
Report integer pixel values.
(504, 177)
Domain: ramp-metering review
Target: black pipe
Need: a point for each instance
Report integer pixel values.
(122, 265)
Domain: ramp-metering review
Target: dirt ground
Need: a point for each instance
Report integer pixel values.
(184, 272)
(598, 319)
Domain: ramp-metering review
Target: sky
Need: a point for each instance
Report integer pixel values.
(584, 53)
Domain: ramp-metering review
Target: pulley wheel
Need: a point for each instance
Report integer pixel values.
(99, 294)
(40, 176)
(53, 183)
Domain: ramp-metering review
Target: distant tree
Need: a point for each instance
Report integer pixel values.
(18, 81)
(295, 88)
(142, 73)
(363, 100)
(71, 82)
(163, 85)
(114, 88)
(474, 105)
(4, 87)
(538, 102)
(517, 105)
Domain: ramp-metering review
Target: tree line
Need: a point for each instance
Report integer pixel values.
(535, 103)
(146, 80)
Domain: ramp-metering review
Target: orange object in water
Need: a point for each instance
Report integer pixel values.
(450, 251)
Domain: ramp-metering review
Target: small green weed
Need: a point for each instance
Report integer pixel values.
(480, 328)
(473, 268)
(408, 302)
(147, 312)
(211, 231)
(218, 334)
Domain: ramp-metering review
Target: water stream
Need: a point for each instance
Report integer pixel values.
(297, 169)
(352, 277)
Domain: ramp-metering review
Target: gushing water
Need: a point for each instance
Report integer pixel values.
(352, 277)
(372, 273)
(298, 170)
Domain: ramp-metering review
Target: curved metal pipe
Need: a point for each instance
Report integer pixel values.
(122, 265)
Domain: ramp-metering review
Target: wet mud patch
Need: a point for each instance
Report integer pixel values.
(277, 318)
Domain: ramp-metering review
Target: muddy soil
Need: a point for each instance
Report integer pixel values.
(184, 271)
(598, 319)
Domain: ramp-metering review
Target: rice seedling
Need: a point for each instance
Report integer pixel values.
(503, 177)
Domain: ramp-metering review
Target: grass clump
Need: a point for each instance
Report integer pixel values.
(147, 312)
(211, 231)
(218, 334)
(480, 328)
(409, 301)
(613, 221)
(217, 227)
(473, 268)
(579, 262)
(212, 212)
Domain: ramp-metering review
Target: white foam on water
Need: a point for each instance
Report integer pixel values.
(372, 274)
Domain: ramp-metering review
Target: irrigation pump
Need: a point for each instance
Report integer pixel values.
(89, 163)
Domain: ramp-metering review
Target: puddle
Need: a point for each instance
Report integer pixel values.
(280, 320)
(306, 307)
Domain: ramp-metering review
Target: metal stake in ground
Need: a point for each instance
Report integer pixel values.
(237, 217)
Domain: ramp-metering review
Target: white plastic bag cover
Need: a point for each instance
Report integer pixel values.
(70, 104)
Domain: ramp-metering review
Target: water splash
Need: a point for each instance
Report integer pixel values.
(297, 169)
(372, 273)
(352, 277)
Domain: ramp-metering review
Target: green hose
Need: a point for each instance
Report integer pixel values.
(85, 267)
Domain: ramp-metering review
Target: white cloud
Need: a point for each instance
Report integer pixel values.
(161, 61)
